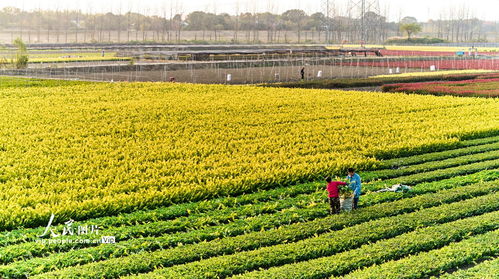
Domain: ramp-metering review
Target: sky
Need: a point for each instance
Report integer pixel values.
(396, 9)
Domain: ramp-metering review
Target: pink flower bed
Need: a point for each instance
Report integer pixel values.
(458, 64)
(476, 87)
(387, 52)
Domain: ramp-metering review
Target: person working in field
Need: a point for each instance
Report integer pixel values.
(333, 195)
(354, 182)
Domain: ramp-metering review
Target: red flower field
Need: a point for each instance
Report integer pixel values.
(454, 64)
(476, 87)
(387, 52)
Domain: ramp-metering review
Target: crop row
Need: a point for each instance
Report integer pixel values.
(57, 54)
(322, 247)
(432, 175)
(476, 87)
(485, 270)
(250, 217)
(457, 64)
(424, 47)
(383, 228)
(78, 59)
(189, 218)
(434, 165)
(372, 81)
(395, 248)
(430, 187)
(197, 208)
(434, 73)
(434, 262)
(176, 211)
(392, 52)
(463, 148)
(237, 227)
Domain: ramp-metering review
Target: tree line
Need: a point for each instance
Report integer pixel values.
(169, 27)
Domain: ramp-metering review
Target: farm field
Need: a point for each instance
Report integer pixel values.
(424, 50)
(476, 87)
(63, 57)
(77, 59)
(395, 52)
(238, 75)
(455, 64)
(437, 73)
(214, 181)
(377, 81)
(118, 65)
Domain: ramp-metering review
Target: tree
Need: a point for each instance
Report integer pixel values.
(197, 20)
(410, 28)
(374, 26)
(3, 59)
(318, 22)
(295, 19)
(21, 61)
(408, 19)
(268, 22)
(177, 24)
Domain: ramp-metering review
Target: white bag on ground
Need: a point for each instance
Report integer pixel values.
(346, 204)
(397, 188)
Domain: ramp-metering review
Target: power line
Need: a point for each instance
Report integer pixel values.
(364, 13)
(328, 9)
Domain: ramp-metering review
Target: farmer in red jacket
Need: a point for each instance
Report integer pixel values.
(333, 195)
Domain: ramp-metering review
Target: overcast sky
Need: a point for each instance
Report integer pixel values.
(421, 9)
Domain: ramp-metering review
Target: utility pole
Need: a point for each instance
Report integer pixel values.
(362, 21)
(328, 8)
(359, 9)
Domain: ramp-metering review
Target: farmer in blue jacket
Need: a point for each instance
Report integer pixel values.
(354, 182)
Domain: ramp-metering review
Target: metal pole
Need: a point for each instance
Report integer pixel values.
(362, 26)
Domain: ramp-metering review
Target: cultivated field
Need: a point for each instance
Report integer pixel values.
(162, 62)
(214, 181)
(482, 86)
(214, 74)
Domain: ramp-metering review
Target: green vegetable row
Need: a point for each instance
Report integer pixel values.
(425, 239)
(185, 209)
(436, 261)
(466, 147)
(309, 248)
(485, 270)
(430, 187)
(17, 252)
(219, 223)
(434, 165)
(172, 212)
(432, 175)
